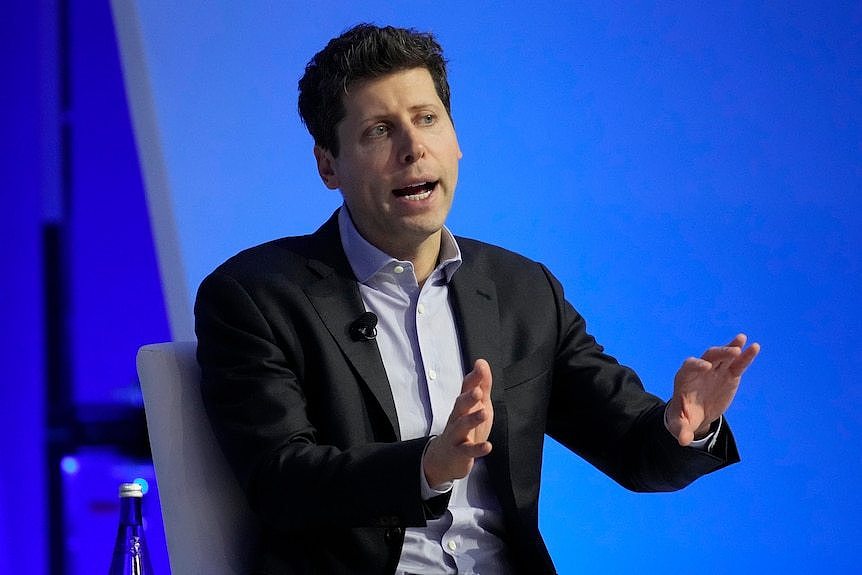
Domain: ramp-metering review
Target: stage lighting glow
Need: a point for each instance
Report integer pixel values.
(70, 465)
(145, 486)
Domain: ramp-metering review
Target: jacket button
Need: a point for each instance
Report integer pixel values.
(393, 535)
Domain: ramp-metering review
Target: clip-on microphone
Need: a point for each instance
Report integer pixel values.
(364, 328)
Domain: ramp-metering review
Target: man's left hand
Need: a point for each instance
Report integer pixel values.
(704, 388)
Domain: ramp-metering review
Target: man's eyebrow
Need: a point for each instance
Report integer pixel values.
(377, 116)
(422, 106)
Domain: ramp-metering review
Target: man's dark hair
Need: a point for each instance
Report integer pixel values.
(361, 53)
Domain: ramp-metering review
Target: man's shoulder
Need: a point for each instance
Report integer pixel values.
(276, 265)
(495, 259)
(274, 254)
(290, 254)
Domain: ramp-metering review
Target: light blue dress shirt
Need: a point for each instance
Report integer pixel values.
(419, 344)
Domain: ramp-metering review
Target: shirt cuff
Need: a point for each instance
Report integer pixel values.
(706, 443)
(427, 491)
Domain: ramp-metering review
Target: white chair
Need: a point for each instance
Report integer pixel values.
(208, 525)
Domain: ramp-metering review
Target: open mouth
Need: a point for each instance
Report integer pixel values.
(416, 191)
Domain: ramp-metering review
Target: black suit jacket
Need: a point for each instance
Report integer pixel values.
(306, 417)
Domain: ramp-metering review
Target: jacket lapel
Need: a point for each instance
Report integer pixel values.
(335, 296)
(474, 299)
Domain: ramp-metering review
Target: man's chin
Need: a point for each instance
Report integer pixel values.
(423, 227)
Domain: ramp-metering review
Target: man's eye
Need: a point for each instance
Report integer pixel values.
(428, 119)
(378, 130)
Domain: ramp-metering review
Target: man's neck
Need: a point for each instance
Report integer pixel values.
(424, 256)
(421, 251)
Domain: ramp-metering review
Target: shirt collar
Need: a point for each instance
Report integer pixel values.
(366, 260)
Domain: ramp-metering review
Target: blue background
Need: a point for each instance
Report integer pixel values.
(688, 171)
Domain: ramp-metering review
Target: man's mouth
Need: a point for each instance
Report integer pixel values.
(416, 192)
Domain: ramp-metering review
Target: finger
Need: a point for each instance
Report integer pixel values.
(474, 450)
(480, 376)
(721, 354)
(458, 428)
(738, 341)
(483, 369)
(466, 402)
(696, 364)
(691, 368)
(683, 427)
(470, 381)
(685, 437)
(738, 367)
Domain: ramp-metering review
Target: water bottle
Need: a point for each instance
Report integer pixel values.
(131, 556)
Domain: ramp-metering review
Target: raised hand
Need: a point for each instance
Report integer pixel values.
(704, 388)
(450, 455)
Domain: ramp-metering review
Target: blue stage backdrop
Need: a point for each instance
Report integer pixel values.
(688, 170)
(79, 294)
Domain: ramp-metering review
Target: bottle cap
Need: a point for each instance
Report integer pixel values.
(131, 490)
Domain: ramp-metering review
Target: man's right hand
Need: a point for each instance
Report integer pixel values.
(450, 455)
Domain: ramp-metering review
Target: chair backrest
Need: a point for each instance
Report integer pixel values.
(208, 524)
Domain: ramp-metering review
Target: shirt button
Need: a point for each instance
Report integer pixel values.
(432, 375)
(399, 269)
(420, 308)
(452, 545)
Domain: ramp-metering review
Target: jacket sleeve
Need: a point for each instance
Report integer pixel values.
(600, 410)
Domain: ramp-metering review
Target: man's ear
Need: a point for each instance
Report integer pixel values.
(326, 167)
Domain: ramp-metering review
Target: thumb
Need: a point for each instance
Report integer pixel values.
(686, 435)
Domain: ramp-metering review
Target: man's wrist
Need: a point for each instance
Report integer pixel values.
(429, 491)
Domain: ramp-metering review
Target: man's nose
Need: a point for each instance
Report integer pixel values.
(412, 145)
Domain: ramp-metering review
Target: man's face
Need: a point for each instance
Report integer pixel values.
(398, 161)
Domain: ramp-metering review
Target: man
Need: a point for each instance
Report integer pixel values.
(383, 388)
